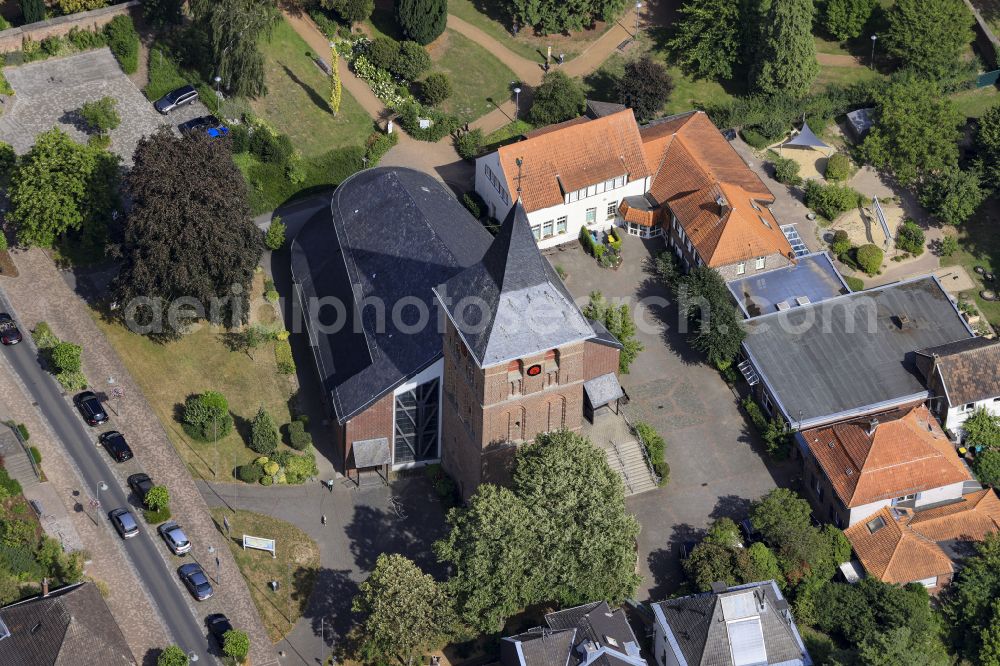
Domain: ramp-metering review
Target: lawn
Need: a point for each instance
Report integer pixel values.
(476, 76)
(506, 134)
(295, 567)
(200, 361)
(837, 75)
(974, 103)
(979, 245)
(488, 17)
(296, 102)
(268, 187)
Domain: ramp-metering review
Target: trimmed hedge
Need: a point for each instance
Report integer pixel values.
(298, 437)
(856, 284)
(123, 41)
(36, 455)
(156, 517)
(251, 473)
(655, 447)
(378, 144)
(870, 257)
(283, 357)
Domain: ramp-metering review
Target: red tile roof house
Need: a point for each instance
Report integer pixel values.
(676, 176)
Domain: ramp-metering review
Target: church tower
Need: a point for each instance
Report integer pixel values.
(514, 345)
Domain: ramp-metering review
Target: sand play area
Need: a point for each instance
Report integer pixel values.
(862, 226)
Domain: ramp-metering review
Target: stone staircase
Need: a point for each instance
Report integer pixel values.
(625, 454)
(15, 459)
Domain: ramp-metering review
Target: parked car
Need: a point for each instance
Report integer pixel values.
(140, 484)
(175, 99)
(730, 134)
(124, 522)
(218, 625)
(90, 407)
(196, 581)
(199, 124)
(750, 533)
(175, 538)
(9, 333)
(115, 444)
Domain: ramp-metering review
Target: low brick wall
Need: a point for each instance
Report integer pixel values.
(10, 40)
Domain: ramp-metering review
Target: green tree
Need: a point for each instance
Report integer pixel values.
(989, 638)
(412, 61)
(172, 656)
(644, 87)
(929, 36)
(383, 52)
(787, 63)
(436, 88)
(706, 43)
(838, 167)
(8, 160)
(845, 19)
(969, 603)
(263, 433)
(207, 415)
(59, 187)
(870, 258)
(915, 130)
(423, 21)
(783, 519)
(900, 647)
(711, 562)
(236, 644)
(786, 171)
(402, 609)
(723, 532)
(704, 300)
(66, 356)
(988, 146)
(274, 239)
(168, 212)
(352, 11)
(10, 588)
(163, 13)
(952, 195)
(558, 98)
(157, 499)
(235, 27)
(982, 428)
(550, 16)
(910, 238)
(763, 564)
(619, 322)
(33, 10)
(987, 467)
(101, 116)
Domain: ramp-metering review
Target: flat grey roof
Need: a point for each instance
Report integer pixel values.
(851, 353)
(371, 452)
(603, 390)
(813, 277)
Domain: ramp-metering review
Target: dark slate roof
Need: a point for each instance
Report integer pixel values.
(598, 109)
(371, 452)
(812, 277)
(602, 335)
(603, 389)
(390, 234)
(512, 303)
(538, 647)
(969, 369)
(608, 630)
(701, 625)
(72, 625)
(851, 354)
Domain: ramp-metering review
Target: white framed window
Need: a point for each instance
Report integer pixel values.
(591, 190)
(561, 225)
(612, 210)
(759, 264)
(548, 228)
(591, 216)
(741, 268)
(601, 187)
(536, 230)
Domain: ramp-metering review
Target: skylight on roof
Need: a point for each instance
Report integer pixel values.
(875, 524)
(739, 606)
(746, 641)
(766, 223)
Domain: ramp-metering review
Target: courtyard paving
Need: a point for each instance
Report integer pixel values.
(49, 93)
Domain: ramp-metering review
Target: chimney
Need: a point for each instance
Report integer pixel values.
(45, 587)
(723, 204)
(872, 425)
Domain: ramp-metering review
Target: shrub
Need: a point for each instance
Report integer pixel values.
(269, 146)
(172, 656)
(436, 88)
(841, 243)
(66, 357)
(949, 246)
(249, 473)
(469, 144)
(869, 257)
(51, 45)
(123, 41)
(33, 10)
(8, 487)
(206, 416)
(422, 20)
(786, 171)
(987, 467)
(754, 139)
(75, 6)
(838, 167)
(295, 170)
(266, 480)
(910, 238)
(157, 498)
(298, 437)
(283, 357)
(17, 533)
(442, 124)
(36, 455)
(412, 61)
(239, 138)
(378, 144)
(383, 52)
(655, 447)
(43, 337)
(474, 204)
(274, 239)
(8, 158)
(263, 433)
(72, 380)
(101, 116)
(85, 40)
(298, 469)
(156, 517)
(236, 644)
(830, 200)
(558, 98)
(855, 284)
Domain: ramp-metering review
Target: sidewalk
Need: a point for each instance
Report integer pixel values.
(40, 294)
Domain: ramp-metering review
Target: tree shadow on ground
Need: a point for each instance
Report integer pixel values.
(329, 608)
(731, 506)
(665, 563)
(315, 97)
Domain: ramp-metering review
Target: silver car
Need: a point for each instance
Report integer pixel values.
(177, 541)
(124, 522)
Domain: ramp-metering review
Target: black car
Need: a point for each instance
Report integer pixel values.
(140, 484)
(196, 581)
(202, 123)
(90, 407)
(124, 522)
(9, 334)
(218, 625)
(116, 445)
(730, 134)
(176, 98)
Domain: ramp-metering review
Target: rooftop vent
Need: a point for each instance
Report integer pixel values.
(849, 471)
(872, 426)
(902, 322)
(723, 204)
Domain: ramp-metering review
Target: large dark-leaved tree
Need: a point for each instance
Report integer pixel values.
(707, 38)
(549, 16)
(189, 233)
(352, 11)
(645, 87)
(538, 541)
(929, 36)
(423, 21)
(234, 28)
(786, 61)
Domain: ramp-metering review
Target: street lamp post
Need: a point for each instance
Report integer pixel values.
(874, 37)
(517, 101)
(218, 92)
(211, 551)
(97, 496)
(638, 6)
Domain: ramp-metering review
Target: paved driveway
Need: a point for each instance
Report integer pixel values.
(48, 93)
(717, 465)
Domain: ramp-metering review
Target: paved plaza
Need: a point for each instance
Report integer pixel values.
(48, 94)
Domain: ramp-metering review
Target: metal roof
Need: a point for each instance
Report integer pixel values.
(812, 280)
(603, 390)
(371, 452)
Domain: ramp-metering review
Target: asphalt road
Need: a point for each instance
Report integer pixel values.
(168, 594)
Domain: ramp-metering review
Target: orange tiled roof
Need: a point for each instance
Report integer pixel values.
(577, 155)
(646, 218)
(907, 454)
(692, 166)
(906, 548)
